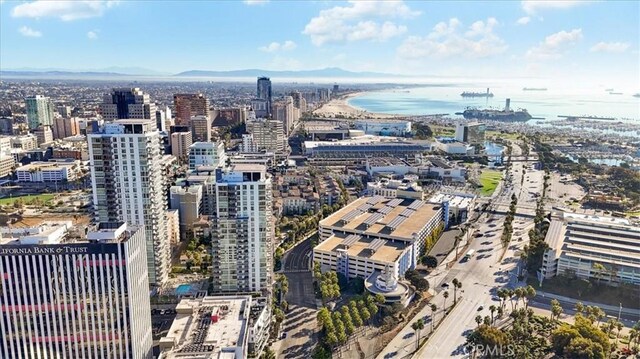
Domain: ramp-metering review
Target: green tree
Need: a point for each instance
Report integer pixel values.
(268, 354)
(445, 295)
(433, 314)
(561, 337)
(417, 326)
(598, 270)
(456, 285)
(478, 320)
(583, 348)
(492, 309)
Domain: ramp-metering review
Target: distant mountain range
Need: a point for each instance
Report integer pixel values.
(326, 72)
(135, 71)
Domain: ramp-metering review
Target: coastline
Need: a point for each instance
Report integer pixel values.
(340, 108)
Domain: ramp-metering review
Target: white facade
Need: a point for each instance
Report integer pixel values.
(76, 298)
(48, 172)
(127, 182)
(455, 148)
(187, 201)
(248, 145)
(207, 154)
(576, 242)
(472, 132)
(387, 128)
(373, 233)
(243, 230)
(25, 143)
(180, 143)
(268, 135)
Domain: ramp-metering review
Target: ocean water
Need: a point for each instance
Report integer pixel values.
(446, 99)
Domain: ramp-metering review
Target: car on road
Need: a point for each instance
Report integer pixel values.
(283, 335)
(480, 308)
(445, 285)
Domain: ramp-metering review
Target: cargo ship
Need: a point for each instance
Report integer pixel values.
(477, 94)
(534, 89)
(507, 115)
(636, 95)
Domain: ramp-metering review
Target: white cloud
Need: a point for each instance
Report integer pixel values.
(29, 32)
(447, 39)
(523, 20)
(610, 47)
(532, 6)
(554, 45)
(355, 22)
(255, 2)
(276, 46)
(64, 10)
(92, 35)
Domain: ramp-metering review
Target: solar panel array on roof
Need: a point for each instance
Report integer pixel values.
(396, 222)
(364, 207)
(395, 202)
(407, 212)
(374, 200)
(351, 215)
(416, 204)
(376, 244)
(351, 239)
(385, 210)
(373, 218)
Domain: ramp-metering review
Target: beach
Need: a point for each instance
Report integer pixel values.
(340, 108)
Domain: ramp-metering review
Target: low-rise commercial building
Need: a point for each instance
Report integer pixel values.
(48, 172)
(392, 188)
(222, 327)
(577, 242)
(384, 128)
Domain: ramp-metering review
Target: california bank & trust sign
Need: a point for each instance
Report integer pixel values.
(42, 250)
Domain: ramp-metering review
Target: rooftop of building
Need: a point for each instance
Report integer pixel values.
(375, 216)
(366, 140)
(386, 161)
(60, 232)
(454, 200)
(580, 233)
(379, 250)
(46, 165)
(209, 327)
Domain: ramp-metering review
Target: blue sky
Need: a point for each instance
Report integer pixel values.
(559, 39)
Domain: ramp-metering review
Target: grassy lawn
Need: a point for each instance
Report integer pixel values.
(630, 214)
(489, 180)
(507, 136)
(44, 198)
(590, 291)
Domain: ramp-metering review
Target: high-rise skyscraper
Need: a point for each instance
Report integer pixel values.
(127, 181)
(189, 105)
(65, 127)
(127, 103)
(65, 296)
(243, 230)
(268, 135)
(264, 92)
(201, 128)
(39, 111)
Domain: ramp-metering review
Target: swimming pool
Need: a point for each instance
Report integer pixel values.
(183, 289)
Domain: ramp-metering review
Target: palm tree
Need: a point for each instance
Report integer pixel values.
(492, 309)
(445, 295)
(500, 312)
(503, 296)
(433, 313)
(478, 319)
(579, 307)
(456, 285)
(619, 327)
(530, 293)
(509, 293)
(417, 326)
(599, 270)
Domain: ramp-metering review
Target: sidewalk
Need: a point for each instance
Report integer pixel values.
(605, 307)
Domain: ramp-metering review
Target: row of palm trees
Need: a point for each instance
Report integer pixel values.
(521, 293)
(419, 324)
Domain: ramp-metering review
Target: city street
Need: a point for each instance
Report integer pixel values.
(300, 323)
(481, 275)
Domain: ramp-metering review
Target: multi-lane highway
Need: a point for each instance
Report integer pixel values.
(481, 275)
